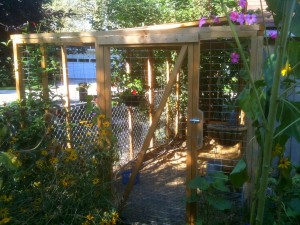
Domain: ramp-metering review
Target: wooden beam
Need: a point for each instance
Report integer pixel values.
(19, 74)
(152, 128)
(44, 73)
(194, 130)
(150, 80)
(66, 95)
(100, 78)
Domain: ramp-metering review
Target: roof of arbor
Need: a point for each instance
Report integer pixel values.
(170, 33)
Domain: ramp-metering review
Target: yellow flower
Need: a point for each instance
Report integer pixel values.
(72, 157)
(83, 122)
(284, 163)
(106, 124)
(96, 181)
(287, 69)
(86, 222)
(6, 198)
(44, 152)
(53, 160)
(104, 132)
(89, 217)
(278, 150)
(101, 116)
(3, 212)
(36, 183)
(5, 220)
(39, 163)
(65, 183)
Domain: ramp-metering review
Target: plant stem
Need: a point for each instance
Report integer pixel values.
(267, 149)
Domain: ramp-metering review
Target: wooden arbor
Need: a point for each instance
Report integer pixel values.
(185, 36)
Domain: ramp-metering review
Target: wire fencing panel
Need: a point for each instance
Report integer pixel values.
(158, 196)
(225, 131)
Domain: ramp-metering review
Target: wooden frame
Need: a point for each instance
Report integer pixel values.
(187, 36)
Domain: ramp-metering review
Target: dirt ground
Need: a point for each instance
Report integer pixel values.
(159, 195)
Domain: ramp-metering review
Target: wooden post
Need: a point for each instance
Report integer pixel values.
(152, 128)
(168, 125)
(130, 128)
(44, 73)
(66, 95)
(252, 148)
(19, 74)
(177, 115)
(151, 89)
(194, 129)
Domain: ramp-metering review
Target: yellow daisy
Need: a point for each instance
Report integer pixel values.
(39, 163)
(101, 116)
(6, 198)
(53, 160)
(278, 150)
(287, 69)
(3, 212)
(5, 220)
(106, 124)
(284, 163)
(89, 217)
(44, 152)
(96, 181)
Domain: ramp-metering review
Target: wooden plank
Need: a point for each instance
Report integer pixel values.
(152, 128)
(19, 74)
(44, 73)
(148, 39)
(252, 148)
(66, 95)
(100, 78)
(150, 80)
(107, 79)
(194, 130)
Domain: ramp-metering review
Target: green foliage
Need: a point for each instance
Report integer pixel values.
(113, 14)
(42, 179)
(276, 6)
(239, 174)
(212, 191)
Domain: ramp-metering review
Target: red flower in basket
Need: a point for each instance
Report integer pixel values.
(134, 92)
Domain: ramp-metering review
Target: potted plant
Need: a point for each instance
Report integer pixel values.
(131, 90)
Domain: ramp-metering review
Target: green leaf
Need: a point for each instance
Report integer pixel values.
(219, 175)
(199, 182)
(276, 7)
(295, 28)
(219, 203)
(247, 101)
(239, 174)
(199, 221)
(295, 205)
(9, 161)
(289, 117)
(294, 56)
(220, 185)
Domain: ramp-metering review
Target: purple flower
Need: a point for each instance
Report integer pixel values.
(216, 19)
(250, 19)
(234, 16)
(243, 3)
(273, 34)
(202, 21)
(235, 57)
(241, 18)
